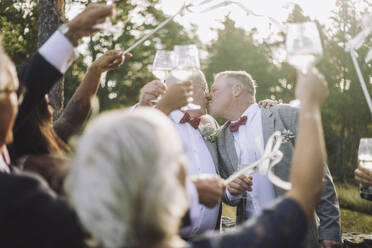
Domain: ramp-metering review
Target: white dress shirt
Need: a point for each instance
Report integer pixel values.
(262, 194)
(58, 51)
(200, 162)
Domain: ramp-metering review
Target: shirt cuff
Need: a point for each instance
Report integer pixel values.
(133, 107)
(231, 197)
(58, 51)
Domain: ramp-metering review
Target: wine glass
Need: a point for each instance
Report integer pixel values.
(107, 26)
(304, 47)
(162, 66)
(186, 65)
(365, 160)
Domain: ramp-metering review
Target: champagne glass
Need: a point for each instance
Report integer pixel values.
(304, 47)
(186, 65)
(107, 26)
(365, 160)
(162, 66)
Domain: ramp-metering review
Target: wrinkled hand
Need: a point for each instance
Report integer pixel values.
(83, 24)
(363, 176)
(268, 103)
(175, 97)
(109, 61)
(330, 244)
(210, 189)
(240, 185)
(151, 91)
(311, 87)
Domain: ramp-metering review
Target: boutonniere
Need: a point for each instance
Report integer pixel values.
(208, 132)
(287, 135)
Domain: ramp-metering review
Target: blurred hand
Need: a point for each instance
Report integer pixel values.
(240, 185)
(210, 189)
(363, 176)
(330, 244)
(311, 87)
(109, 61)
(151, 91)
(267, 103)
(175, 97)
(83, 24)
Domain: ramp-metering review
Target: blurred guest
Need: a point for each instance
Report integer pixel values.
(233, 98)
(43, 137)
(128, 185)
(30, 215)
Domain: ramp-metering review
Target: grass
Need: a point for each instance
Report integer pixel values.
(355, 222)
(349, 198)
(356, 213)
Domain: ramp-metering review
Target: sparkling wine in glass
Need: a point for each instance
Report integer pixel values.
(365, 160)
(304, 47)
(186, 65)
(162, 66)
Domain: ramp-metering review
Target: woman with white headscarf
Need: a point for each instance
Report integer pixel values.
(127, 181)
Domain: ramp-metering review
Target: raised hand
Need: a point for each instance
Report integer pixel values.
(109, 61)
(175, 97)
(311, 87)
(363, 176)
(151, 91)
(83, 24)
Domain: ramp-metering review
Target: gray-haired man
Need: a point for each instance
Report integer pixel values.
(233, 97)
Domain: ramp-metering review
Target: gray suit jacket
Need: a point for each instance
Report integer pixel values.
(278, 118)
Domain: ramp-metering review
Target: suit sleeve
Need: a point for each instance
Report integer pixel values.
(328, 211)
(38, 76)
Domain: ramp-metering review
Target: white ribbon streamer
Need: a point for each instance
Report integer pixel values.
(271, 156)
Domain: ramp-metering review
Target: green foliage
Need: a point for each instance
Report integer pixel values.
(121, 87)
(353, 221)
(18, 26)
(235, 49)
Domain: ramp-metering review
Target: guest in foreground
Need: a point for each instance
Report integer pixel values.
(127, 182)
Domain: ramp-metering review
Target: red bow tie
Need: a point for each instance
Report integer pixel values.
(194, 122)
(235, 126)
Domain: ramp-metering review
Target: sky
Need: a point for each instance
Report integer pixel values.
(277, 9)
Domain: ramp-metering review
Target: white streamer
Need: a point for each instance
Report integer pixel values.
(271, 156)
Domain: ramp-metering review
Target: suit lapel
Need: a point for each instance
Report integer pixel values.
(230, 148)
(267, 124)
(212, 147)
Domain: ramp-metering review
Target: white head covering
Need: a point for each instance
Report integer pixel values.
(124, 180)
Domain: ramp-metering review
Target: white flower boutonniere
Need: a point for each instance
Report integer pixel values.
(287, 135)
(208, 132)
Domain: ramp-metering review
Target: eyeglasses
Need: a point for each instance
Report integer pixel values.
(20, 92)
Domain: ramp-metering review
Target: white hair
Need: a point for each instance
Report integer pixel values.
(124, 182)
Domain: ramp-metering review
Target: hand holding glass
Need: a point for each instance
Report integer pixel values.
(303, 44)
(162, 66)
(187, 64)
